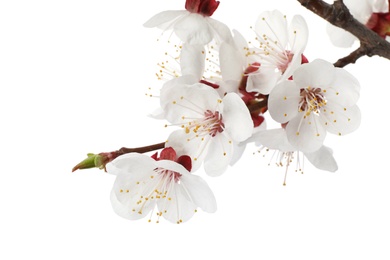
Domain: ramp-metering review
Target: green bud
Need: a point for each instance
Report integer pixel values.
(92, 161)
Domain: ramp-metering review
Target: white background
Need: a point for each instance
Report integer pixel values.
(73, 78)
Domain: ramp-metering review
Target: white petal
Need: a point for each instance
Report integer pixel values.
(240, 43)
(323, 159)
(292, 66)
(298, 34)
(238, 151)
(192, 59)
(340, 120)
(128, 164)
(231, 62)
(263, 80)
(171, 166)
(176, 207)
(273, 139)
(220, 30)
(199, 192)
(218, 156)
(170, 86)
(361, 11)
(165, 20)
(236, 117)
(379, 6)
(318, 74)
(188, 144)
(305, 133)
(125, 208)
(157, 114)
(344, 89)
(283, 101)
(133, 174)
(273, 26)
(228, 87)
(339, 37)
(193, 29)
(188, 101)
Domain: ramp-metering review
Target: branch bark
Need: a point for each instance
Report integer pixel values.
(338, 14)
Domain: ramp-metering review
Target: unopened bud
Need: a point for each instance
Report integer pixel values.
(92, 161)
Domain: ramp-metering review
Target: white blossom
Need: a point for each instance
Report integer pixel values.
(143, 183)
(279, 51)
(193, 25)
(210, 124)
(319, 99)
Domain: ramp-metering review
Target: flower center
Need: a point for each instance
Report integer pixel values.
(312, 100)
(169, 175)
(211, 124)
(285, 61)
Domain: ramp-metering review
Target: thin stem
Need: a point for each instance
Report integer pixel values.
(143, 149)
(352, 57)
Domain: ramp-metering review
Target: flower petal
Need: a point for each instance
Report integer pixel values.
(192, 59)
(340, 120)
(171, 166)
(177, 207)
(236, 117)
(124, 208)
(182, 103)
(132, 170)
(165, 19)
(199, 192)
(379, 6)
(231, 62)
(275, 139)
(188, 144)
(339, 37)
(298, 34)
(323, 159)
(128, 164)
(219, 154)
(344, 89)
(305, 132)
(283, 101)
(318, 73)
(263, 80)
(193, 29)
(221, 31)
(272, 25)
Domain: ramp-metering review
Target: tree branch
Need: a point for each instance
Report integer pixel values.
(352, 57)
(338, 14)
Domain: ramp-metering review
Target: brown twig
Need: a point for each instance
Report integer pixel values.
(352, 57)
(338, 14)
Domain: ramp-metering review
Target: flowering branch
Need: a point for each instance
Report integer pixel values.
(100, 160)
(217, 117)
(338, 14)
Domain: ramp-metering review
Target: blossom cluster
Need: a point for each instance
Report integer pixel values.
(216, 114)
